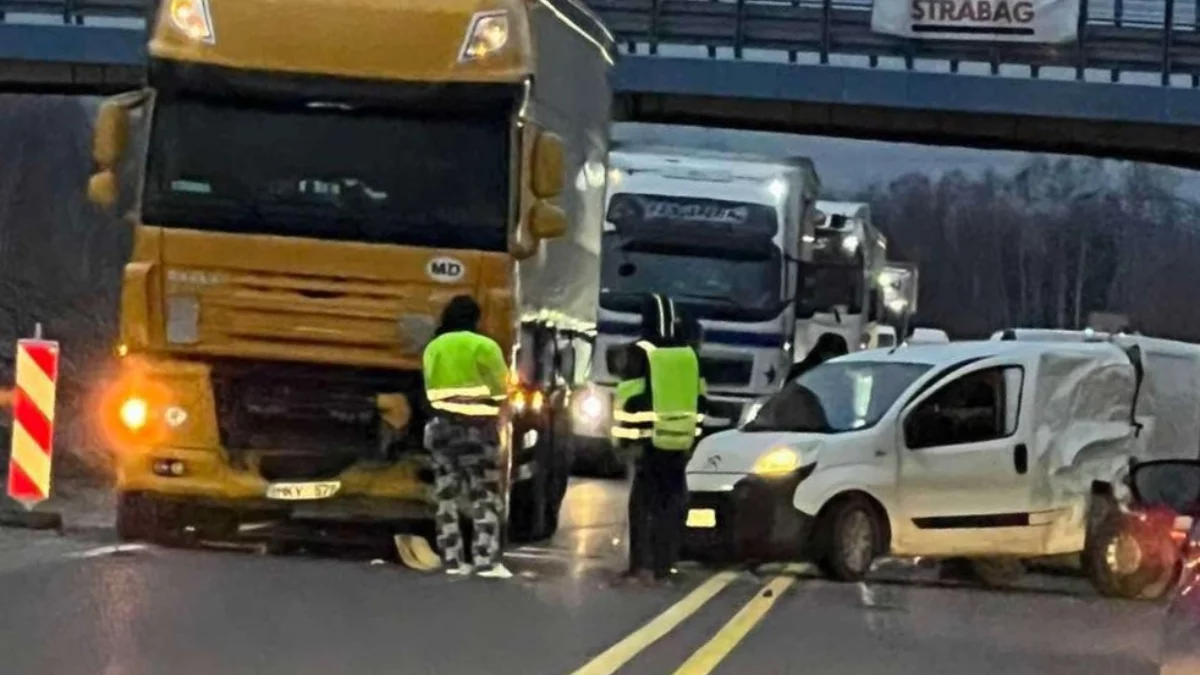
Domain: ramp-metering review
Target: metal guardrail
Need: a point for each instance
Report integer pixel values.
(1147, 36)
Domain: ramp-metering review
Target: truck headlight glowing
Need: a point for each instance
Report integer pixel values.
(193, 19)
(591, 407)
(486, 34)
(777, 462)
(850, 244)
(134, 413)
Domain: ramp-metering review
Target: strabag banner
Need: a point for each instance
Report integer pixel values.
(1042, 21)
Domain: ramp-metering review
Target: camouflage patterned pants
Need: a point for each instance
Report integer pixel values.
(465, 463)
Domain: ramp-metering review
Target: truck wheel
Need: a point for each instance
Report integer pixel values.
(853, 536)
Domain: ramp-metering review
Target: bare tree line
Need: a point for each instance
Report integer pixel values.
(1047, 246)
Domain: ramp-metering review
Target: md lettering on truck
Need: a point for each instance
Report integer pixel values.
(1001, 15)
(445, 270)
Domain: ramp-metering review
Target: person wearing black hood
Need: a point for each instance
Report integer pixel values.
(465, 375)
(829, 346)
(657, 412)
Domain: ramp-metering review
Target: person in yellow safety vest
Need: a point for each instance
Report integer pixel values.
(465, 376)
(658, 410)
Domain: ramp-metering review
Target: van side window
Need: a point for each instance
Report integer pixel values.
(976, 407)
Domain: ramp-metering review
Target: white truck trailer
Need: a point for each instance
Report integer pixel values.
(727, 236)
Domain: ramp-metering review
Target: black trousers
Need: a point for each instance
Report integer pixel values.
(657, 505)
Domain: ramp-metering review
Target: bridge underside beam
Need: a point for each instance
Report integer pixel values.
(1145, 123)
(25, 77)
(1163, 144)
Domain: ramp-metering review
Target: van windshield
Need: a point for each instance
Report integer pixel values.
(836, 397)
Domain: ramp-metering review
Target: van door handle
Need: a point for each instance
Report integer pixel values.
(1021, 458)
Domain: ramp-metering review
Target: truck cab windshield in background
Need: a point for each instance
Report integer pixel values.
(835, 275)
(717, 257)
(330, 172)
(837, 397)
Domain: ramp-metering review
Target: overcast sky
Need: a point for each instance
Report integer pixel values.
(847, 165)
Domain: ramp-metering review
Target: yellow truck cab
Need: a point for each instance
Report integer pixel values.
(309, 185)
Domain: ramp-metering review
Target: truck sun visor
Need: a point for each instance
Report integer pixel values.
(651, 216)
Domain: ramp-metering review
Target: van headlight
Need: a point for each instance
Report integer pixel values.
(777, 462)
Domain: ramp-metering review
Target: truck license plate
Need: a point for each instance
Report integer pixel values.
(702, 518)
(303, 491)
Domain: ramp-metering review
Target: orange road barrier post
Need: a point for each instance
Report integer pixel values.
(32, 447)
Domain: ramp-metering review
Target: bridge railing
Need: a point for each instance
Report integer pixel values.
(1155, 36)
(1118, 36)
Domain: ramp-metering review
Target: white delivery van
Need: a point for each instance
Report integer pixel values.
(986, 449)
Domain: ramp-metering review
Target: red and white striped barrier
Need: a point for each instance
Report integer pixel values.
(29, 469)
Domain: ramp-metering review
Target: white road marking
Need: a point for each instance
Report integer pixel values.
(107, 550)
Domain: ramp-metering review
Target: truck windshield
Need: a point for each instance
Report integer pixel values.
(715, 283)
(837, 397)
(329, 173)
(836, 275)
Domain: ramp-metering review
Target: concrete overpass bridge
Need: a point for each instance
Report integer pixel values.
(1128, 86)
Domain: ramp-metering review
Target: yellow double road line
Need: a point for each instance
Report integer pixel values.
(624, 651)
(713, 652)
(707, 658)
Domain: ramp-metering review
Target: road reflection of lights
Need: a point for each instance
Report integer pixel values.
(120, 594)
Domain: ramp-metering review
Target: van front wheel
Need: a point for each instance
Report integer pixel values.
(852, 538)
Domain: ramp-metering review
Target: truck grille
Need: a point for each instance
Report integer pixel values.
(716, 370)
(726, 371)
(307, 421)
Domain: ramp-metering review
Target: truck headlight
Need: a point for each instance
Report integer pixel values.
(591, 407)
(486, 34)
(777, 462)
(193, 19)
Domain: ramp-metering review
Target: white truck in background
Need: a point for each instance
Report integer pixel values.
(727, 236)
(844, 299)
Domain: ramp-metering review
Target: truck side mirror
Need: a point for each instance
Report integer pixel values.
(547, 221)
(549, 161)
(109, 138)
(110, 135)
(102, 189)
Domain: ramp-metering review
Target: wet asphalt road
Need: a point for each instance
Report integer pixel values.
(74, 606)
